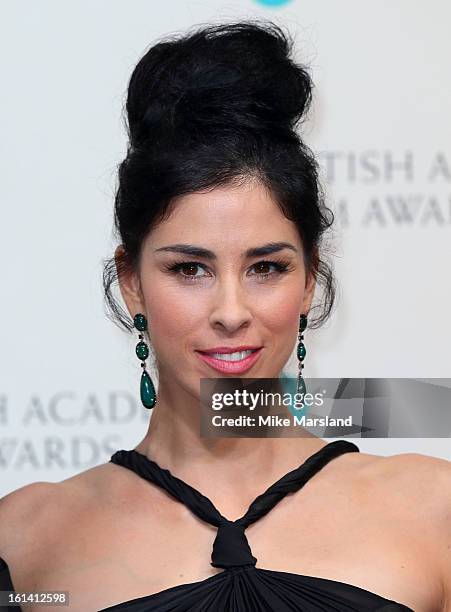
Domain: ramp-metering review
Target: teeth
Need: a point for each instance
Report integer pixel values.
(238, 356)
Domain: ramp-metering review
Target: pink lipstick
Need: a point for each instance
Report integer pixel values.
(239, 360)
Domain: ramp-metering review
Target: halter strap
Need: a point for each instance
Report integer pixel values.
(231, 548)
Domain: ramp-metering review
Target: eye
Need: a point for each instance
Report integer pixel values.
(263, 266)
(190, 268)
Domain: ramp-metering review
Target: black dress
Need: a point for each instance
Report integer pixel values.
(243, 587)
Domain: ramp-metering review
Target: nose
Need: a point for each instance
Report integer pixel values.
(230, 306)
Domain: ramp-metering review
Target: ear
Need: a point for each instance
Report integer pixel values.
(308, 293)
(310, 282)
(129, 284)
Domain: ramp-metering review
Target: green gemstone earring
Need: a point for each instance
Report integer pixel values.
(147, 390)
(301, 352)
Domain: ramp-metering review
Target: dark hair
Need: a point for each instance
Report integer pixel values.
(218, 106)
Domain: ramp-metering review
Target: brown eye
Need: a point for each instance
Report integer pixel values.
(191, 267)
(190, 270)
(263, 267)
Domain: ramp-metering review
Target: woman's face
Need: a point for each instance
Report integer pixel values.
(221, 295)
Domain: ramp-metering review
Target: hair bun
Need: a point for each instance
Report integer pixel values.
(238, 74)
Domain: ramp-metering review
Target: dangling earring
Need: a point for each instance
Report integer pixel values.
(301, 352)
(147, 390)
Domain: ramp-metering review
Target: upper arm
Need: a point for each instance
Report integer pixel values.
(21, 514)
(425, 482)
(434, 482)
(444, 544)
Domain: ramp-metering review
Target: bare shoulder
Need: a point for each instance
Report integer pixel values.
(433, 480)
(419, 488)
(12, 502)
(32, 516)
(44, 516)
(411, 478)
(20, 509)
(415, 474)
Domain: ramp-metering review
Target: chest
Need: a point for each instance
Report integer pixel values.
(358, 540)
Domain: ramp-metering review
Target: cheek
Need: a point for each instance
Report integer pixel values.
(172, 314)
(280, 312)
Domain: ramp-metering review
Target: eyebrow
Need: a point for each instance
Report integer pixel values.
(196, 251)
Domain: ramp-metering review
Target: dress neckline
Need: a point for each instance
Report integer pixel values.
(204, 508)
(167, 595)
(230, 549)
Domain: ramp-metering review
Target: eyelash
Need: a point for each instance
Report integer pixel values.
(281, 268)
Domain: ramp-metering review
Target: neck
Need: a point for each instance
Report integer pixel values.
(173, 440)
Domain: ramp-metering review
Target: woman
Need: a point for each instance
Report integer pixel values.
(220, 215)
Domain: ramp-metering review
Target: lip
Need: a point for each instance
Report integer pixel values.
(230, 349)
(230, 367)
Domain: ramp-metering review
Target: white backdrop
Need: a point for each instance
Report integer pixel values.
(69, 379)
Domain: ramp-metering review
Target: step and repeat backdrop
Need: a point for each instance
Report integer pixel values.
(379, 124)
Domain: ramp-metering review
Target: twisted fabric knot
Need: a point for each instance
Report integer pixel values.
(231, 548)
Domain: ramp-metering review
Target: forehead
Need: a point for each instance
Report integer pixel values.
(226, 215)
